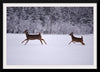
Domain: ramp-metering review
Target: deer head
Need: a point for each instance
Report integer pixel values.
(26, 31)
(71, 34)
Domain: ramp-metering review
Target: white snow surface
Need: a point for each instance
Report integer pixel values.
(56, 52)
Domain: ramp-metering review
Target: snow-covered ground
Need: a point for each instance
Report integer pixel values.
(56, 52)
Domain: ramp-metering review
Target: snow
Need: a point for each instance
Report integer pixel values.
(56, 52)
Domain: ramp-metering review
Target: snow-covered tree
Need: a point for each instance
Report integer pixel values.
(50, 20)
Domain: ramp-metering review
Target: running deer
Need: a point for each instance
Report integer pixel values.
(33, 37)
(75, 39)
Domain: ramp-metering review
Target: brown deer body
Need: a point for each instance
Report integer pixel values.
(75, 39)
(33, 37)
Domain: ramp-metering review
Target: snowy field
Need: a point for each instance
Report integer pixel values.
(56, 52)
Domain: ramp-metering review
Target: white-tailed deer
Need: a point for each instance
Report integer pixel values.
(33, 37)
(75, 39)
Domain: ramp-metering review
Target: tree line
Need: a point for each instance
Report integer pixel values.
(50, 20)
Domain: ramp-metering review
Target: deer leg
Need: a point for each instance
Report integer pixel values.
(44, 41)
(41, 41)
(82, 43)
(24, 40)
(70, 42)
